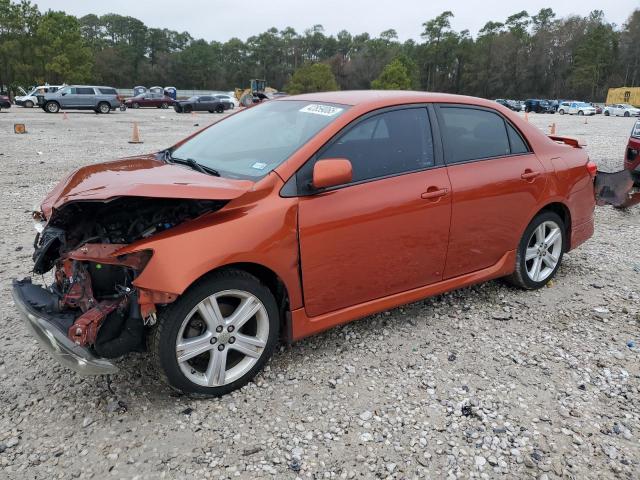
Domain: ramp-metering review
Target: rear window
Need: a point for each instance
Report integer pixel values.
(108, 91)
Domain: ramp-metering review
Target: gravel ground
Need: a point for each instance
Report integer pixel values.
(485, 382)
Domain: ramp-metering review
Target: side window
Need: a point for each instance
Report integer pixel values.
(472, 134)
(389, 143)
(515, 140)
(85, 91)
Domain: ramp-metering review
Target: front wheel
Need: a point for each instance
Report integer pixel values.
(28, 104)
(164, 105)
(540, 252)
(561, 112)
(627, 114)
(580, 113)
(217, 336)
(606, 113)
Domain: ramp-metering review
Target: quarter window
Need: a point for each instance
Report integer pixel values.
(472, 134)
(389, 143)
(515, 140)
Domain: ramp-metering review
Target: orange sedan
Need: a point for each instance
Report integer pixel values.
(292, 217)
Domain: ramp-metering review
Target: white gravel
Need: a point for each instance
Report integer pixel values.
(485, 382)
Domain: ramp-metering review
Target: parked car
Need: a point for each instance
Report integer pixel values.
(200, 103)
(632, 154)
(537, 106)
(621, 110)
(576, 108)
(4, 102)
(230, 102)
(30, 99)
(510, 104)
(157, 100)
(80, 97)
(218, 247)
(598, 107)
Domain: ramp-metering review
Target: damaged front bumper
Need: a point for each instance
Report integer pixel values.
(49, 329)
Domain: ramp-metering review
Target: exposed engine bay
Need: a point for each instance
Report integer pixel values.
(92, 297)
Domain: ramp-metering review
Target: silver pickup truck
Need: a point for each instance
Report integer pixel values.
(80, 97)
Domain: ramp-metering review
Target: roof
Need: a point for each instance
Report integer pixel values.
(387, 97)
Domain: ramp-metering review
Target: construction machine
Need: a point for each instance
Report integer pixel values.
(256, 93)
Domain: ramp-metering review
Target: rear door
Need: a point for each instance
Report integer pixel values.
(86, 97)
(496, 182)
(385, 232)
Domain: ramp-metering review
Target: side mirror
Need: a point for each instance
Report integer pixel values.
(331, 172)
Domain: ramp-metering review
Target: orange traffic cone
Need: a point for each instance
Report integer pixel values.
(135, 137)
(553, 129)
(64, 116)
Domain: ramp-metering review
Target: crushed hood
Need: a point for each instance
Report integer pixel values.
(143, 176)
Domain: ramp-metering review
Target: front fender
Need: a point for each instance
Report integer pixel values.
(260, 230)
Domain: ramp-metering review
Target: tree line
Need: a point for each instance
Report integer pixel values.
(538, 55)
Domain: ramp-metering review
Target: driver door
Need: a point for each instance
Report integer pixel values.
(386, 232)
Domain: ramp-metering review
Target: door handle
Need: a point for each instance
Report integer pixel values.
(529, 174)
(434, 192)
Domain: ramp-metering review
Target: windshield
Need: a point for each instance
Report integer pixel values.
(250, 144)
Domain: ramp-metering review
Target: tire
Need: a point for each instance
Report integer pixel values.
(527, 109)
(525, 275)
(182, 320)
(28, 104)
(219, 109)
(627, 114)
(187, 109)
(164, 105)
(135, 105)
(561, 112)
(104, 108)
(580, 113)
(51, 107)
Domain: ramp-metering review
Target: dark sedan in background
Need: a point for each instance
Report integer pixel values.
(4, 102)
(202, 103)
(157, 100)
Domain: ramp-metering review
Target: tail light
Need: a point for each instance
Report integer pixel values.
(592, 168)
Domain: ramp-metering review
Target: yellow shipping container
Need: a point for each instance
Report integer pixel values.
(624, 95)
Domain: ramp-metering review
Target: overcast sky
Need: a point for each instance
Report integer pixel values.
(223, 19)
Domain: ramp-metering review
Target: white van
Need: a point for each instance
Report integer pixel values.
(30, 100)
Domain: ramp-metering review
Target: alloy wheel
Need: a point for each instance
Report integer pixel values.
(543, 251)
(222, 338)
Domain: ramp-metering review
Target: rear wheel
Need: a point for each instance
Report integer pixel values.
(219, 109)
(540, 252)
(52, 107)
(135, 105)
(104, 107)
(217, 336)
(561, 112)
(164, 105)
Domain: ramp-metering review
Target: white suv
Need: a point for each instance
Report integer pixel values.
(622, 109)
(30, 99)
(576, 108)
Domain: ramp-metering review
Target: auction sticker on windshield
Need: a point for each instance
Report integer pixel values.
(318, 109)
